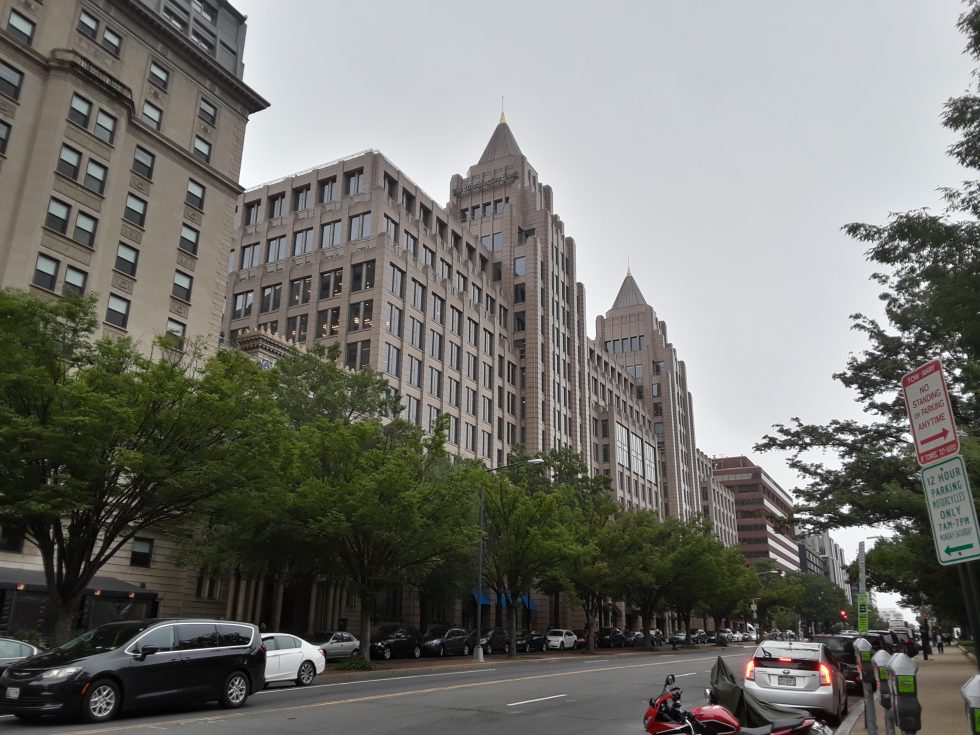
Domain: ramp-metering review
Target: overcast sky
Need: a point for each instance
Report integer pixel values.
(717, 147)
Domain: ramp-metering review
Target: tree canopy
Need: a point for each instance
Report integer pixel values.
(929, 276)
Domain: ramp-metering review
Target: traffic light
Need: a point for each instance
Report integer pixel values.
(843, 615)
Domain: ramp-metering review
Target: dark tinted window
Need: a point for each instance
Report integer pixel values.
(162, 638)
(233, 635)
(284, 642)
(196, 635)
(837, 645)
(104, 638)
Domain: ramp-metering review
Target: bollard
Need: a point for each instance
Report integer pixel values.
(971, 697)
(905, 693)
(863, 650)
(880, 660)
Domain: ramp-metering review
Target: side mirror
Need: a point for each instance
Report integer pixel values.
(670, 680)
(652, 702)
(145, 651)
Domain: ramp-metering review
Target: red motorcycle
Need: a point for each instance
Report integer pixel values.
(666, 716)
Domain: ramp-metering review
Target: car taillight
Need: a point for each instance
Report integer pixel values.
(750, 670)
(824, 674)
(322, 653)
(785, 660)
(264, 649)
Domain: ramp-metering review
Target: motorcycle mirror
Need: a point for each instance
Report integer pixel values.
(670, 680)
(707, 695)
(652, 702)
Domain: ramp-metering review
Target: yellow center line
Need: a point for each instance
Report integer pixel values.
(378, 697)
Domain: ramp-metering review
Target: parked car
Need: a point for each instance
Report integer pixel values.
(795, 674)
(878, 641)
(679, 637)
(842, 646)
(339, 644)
(610, 638)
(289, 658)
(392, 641)
(656, 636)
(697, 636)
(633, 638)
(138, 663)
(560, 639)
(446, 641)
(909, 645)
(12, 650)
(890, 641)
(531, 640)
(737, 637)
(495, 639)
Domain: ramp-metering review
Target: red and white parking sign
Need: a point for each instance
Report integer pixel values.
(931, 416)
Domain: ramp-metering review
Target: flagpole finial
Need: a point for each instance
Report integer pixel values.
(502, 118)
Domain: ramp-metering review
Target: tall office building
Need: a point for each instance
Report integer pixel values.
(764, 513)
(121, 131)
(717, 501)
(634, 338)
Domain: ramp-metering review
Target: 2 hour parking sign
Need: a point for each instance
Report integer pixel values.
(951, 511)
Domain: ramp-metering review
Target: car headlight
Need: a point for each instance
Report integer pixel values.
(61, 674)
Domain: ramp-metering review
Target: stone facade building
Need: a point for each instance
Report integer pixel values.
(121, 135)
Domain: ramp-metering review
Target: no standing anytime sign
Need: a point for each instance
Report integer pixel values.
(927, 403)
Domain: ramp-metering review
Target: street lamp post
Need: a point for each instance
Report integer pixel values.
(478, 649)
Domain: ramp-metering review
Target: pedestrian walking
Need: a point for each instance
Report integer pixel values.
(939, 641)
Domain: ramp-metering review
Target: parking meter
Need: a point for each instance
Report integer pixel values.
(880, 661)
(905, 693)
(862, 649)
(971, 697)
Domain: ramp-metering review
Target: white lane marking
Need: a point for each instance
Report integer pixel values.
(277, 690)
(539, 699)
(678, 676)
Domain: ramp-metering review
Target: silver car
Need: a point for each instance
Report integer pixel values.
(340, 644)
(804, 675)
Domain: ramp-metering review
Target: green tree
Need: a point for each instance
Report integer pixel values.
(732, 584)
(594, 556)
(822, 602)
(382, 502)
(929, 276)
(651, 542)
(98, 442)
(693, 554)
(523, 535)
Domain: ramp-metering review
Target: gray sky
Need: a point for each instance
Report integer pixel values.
(718, 147)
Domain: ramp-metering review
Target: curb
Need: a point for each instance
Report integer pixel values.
(857, 713)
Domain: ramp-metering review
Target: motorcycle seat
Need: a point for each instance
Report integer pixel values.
(761, 730)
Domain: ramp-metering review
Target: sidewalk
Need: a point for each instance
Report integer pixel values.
(939, 680)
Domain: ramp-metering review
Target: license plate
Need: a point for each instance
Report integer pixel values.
(13, 692)
(787, 681)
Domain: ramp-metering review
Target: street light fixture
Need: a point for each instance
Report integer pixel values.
(478, 648)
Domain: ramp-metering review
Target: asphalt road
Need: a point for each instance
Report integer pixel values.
(544, 695)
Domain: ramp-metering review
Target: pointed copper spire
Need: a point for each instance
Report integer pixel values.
(629, 294)
(502, 143)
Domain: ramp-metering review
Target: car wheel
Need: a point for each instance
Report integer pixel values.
(506, 648)
(101, 702)
(235, 691)
(354, 653)
(442, 651)
(487, 649)
(466, 649)
(847, 705)
(417, 652)
(306, 674)
(561, 646)
(527, 648)
(386, 653)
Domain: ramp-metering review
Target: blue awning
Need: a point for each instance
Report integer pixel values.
(527, 601)
(481, 596)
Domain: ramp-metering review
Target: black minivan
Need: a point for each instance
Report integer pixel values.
(138, 663)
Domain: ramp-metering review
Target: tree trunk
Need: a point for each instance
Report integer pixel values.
(512, 629)
(365, 630)
(58, 617)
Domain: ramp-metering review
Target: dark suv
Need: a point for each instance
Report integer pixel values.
(138, 663)
(842, 646)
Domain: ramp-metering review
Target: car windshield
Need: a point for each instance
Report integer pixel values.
(436, 633)
(838, 645)
(105, 638)
(556, 632)
(386, 631)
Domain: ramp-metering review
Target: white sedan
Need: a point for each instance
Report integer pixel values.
(289, 658)
(560, 639)
(340, 644)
